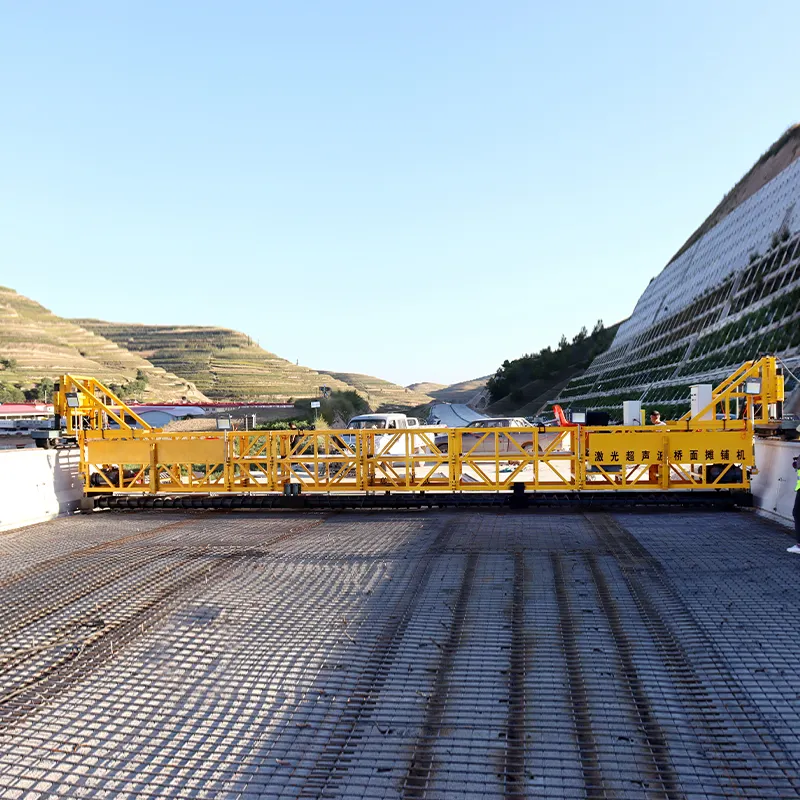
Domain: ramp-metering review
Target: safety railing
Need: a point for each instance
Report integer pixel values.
(419, 459)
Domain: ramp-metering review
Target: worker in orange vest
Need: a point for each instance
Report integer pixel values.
(795, 548)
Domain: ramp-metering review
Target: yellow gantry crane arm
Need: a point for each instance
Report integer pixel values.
(85, 403)
(757, 388)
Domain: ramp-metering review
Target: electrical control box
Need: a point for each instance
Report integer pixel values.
(632, 412)
(701, 395)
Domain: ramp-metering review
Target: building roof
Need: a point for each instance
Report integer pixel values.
(25, 409)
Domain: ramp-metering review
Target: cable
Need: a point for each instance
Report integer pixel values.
(785, 366)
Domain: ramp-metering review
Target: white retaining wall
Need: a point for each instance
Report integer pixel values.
(37, 485)
(773, 487)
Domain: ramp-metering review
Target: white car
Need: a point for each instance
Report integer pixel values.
(480, 442)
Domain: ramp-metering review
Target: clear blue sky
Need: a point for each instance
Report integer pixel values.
(415, 190)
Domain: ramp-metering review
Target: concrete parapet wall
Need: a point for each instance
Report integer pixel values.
(773, 487)
(37, 485)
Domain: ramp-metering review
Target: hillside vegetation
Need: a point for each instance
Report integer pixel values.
(222, 363)
(426, 387)
(461, 392)
(382, 394)
(229, 365)
(526, 384)
(37, 346)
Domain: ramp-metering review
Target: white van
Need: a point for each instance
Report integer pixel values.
(387, 422)
(382, 421)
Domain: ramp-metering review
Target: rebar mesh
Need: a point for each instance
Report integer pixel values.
(414, 654)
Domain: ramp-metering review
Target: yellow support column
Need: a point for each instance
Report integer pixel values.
(153, 468)
(84, 464)
(280, 446)
(227, 467)
(360, 448)
(580, 456)
(453, 457)
(369, 452)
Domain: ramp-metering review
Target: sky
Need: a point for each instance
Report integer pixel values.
(414, 190)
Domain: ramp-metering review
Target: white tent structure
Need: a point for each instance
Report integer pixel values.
(453, 415)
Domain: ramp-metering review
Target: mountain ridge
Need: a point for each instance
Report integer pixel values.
(228, 364)
(36, 344)
(191, 363)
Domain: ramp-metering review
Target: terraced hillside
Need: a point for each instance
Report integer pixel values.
(381, 393)
(462, 392)
(222, 363)
(426, 387)
(37, 344)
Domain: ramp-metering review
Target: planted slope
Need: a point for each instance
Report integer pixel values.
(38, 344)
(526, 384)
(224, 364)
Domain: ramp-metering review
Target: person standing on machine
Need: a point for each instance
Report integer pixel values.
(795, 548)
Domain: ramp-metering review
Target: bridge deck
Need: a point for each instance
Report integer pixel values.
(406, 654)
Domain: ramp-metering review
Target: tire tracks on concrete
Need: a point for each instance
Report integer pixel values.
(330, 766)
(710, 719)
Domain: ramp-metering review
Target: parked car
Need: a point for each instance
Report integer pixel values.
(390, 423)
(480, 442)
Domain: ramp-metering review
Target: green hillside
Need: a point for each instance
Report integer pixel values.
(224, 364)
(527, 384)
(35, 344)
